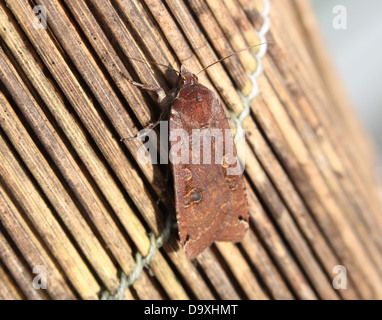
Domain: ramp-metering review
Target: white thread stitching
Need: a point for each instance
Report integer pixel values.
(127, 280)
(253, 77)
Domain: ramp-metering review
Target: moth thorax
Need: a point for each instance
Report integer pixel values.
(186, 78)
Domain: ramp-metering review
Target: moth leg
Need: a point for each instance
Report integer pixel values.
(165, 105)
(161, 100)
(150, 126)
(144, 86)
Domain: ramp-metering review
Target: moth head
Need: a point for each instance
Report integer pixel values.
(186, 78)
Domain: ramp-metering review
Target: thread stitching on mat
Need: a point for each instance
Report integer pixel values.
(127, 280)
(157, 242)
(253, 77)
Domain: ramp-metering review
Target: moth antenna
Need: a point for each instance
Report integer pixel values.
(232, 54)
(154, 62)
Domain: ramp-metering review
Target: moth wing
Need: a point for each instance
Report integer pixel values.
(201, 211)
(236, 223)
(210, 200)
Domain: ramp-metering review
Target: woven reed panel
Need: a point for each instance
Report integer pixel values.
(75, 200)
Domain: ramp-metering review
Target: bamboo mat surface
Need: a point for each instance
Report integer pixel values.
(75, 200)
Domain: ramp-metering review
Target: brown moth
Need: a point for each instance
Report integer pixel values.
(211, 204)
(211, 201)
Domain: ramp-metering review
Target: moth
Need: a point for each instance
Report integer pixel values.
(211, 201)
(211, 204)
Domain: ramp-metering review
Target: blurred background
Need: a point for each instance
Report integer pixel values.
(356, 52)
